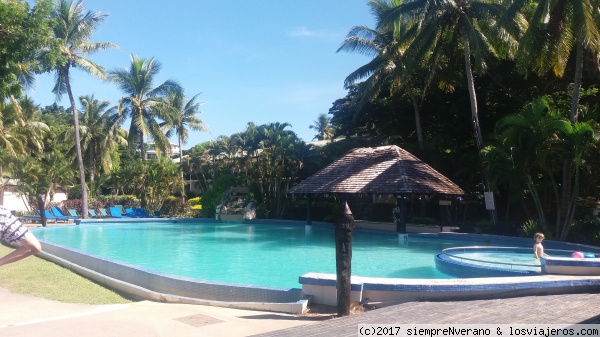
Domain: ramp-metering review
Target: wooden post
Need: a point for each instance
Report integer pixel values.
(399, 215)
(309, 209)
(344, 229)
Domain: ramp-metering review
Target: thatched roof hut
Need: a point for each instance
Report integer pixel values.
(381, 170)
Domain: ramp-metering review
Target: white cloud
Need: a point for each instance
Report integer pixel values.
(302, 32)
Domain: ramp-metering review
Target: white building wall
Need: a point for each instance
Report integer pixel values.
(14, 202)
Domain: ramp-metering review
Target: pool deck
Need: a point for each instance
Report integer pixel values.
(24, 316)
(550, 309)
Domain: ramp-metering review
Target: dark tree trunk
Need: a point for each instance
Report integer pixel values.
(42, 208)
(344, 229)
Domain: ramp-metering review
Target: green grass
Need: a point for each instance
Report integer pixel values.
(38, 277)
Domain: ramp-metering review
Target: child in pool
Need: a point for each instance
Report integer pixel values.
(538, 249)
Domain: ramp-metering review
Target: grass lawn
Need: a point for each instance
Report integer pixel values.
(38, 277)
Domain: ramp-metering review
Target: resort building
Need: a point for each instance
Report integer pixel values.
(151, 152)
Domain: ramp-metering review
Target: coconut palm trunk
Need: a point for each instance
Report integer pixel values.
(417, 119)
(84, 196)
(475, 115)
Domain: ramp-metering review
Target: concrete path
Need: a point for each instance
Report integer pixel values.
(25, 316)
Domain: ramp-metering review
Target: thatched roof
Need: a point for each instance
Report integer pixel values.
(383, 170)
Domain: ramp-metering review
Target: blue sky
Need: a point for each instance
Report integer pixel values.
(254, 61)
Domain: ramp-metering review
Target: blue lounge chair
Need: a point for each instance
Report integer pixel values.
(57, 212)
(56, 217)
(35, 217)
(142, 213)
(121, 209)
(103, 212)
(49, 217)
(92, 213)
(115, 212)
(73, 213)
(133, 213)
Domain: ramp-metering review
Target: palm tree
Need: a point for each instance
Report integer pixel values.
(184, 117)
(144, 103)
(478, 26)
(40, 176)
(101, 134)
(73, 28)
(555, 28)
(20, 132)
(525, 138)
(536, 141)
(386, 45)
(323, 127)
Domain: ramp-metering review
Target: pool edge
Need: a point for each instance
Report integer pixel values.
(181, 289)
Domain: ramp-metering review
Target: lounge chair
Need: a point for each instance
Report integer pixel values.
(73, 213)
(37, 217)
(115, 212)
(57, 212)
(103, 212)
(142, 213)
(132, 213)
(92, 213)
(121, 209)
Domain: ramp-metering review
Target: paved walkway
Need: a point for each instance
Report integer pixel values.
(550, 309)
(24, 316)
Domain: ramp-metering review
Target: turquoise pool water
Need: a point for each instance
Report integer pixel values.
(522, 260)
(250, 254)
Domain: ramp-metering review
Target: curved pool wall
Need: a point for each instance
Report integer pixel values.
(457, 267)
(319, 288)
(140, 283)
(389, 291)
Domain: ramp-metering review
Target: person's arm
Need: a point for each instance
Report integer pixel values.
(542, 251)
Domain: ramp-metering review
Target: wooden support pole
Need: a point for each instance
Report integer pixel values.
(344, 230)
(309, 209)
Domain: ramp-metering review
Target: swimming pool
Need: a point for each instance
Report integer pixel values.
(90, 251)
(268, 255)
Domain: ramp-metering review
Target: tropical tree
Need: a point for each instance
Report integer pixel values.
(73, 28)
(560, 31)
(27, 44)
(535, 141)
(144, 103)
(275, 168)
(386, 45)
(323, 127)
(40, 176)
(479, 27)
(155, 180)
(184, 117)
(101, 135)
(21, 132)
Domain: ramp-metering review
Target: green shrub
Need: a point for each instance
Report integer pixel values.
(529, 228)
(174, 207)
(195, 203)
(212, 197)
